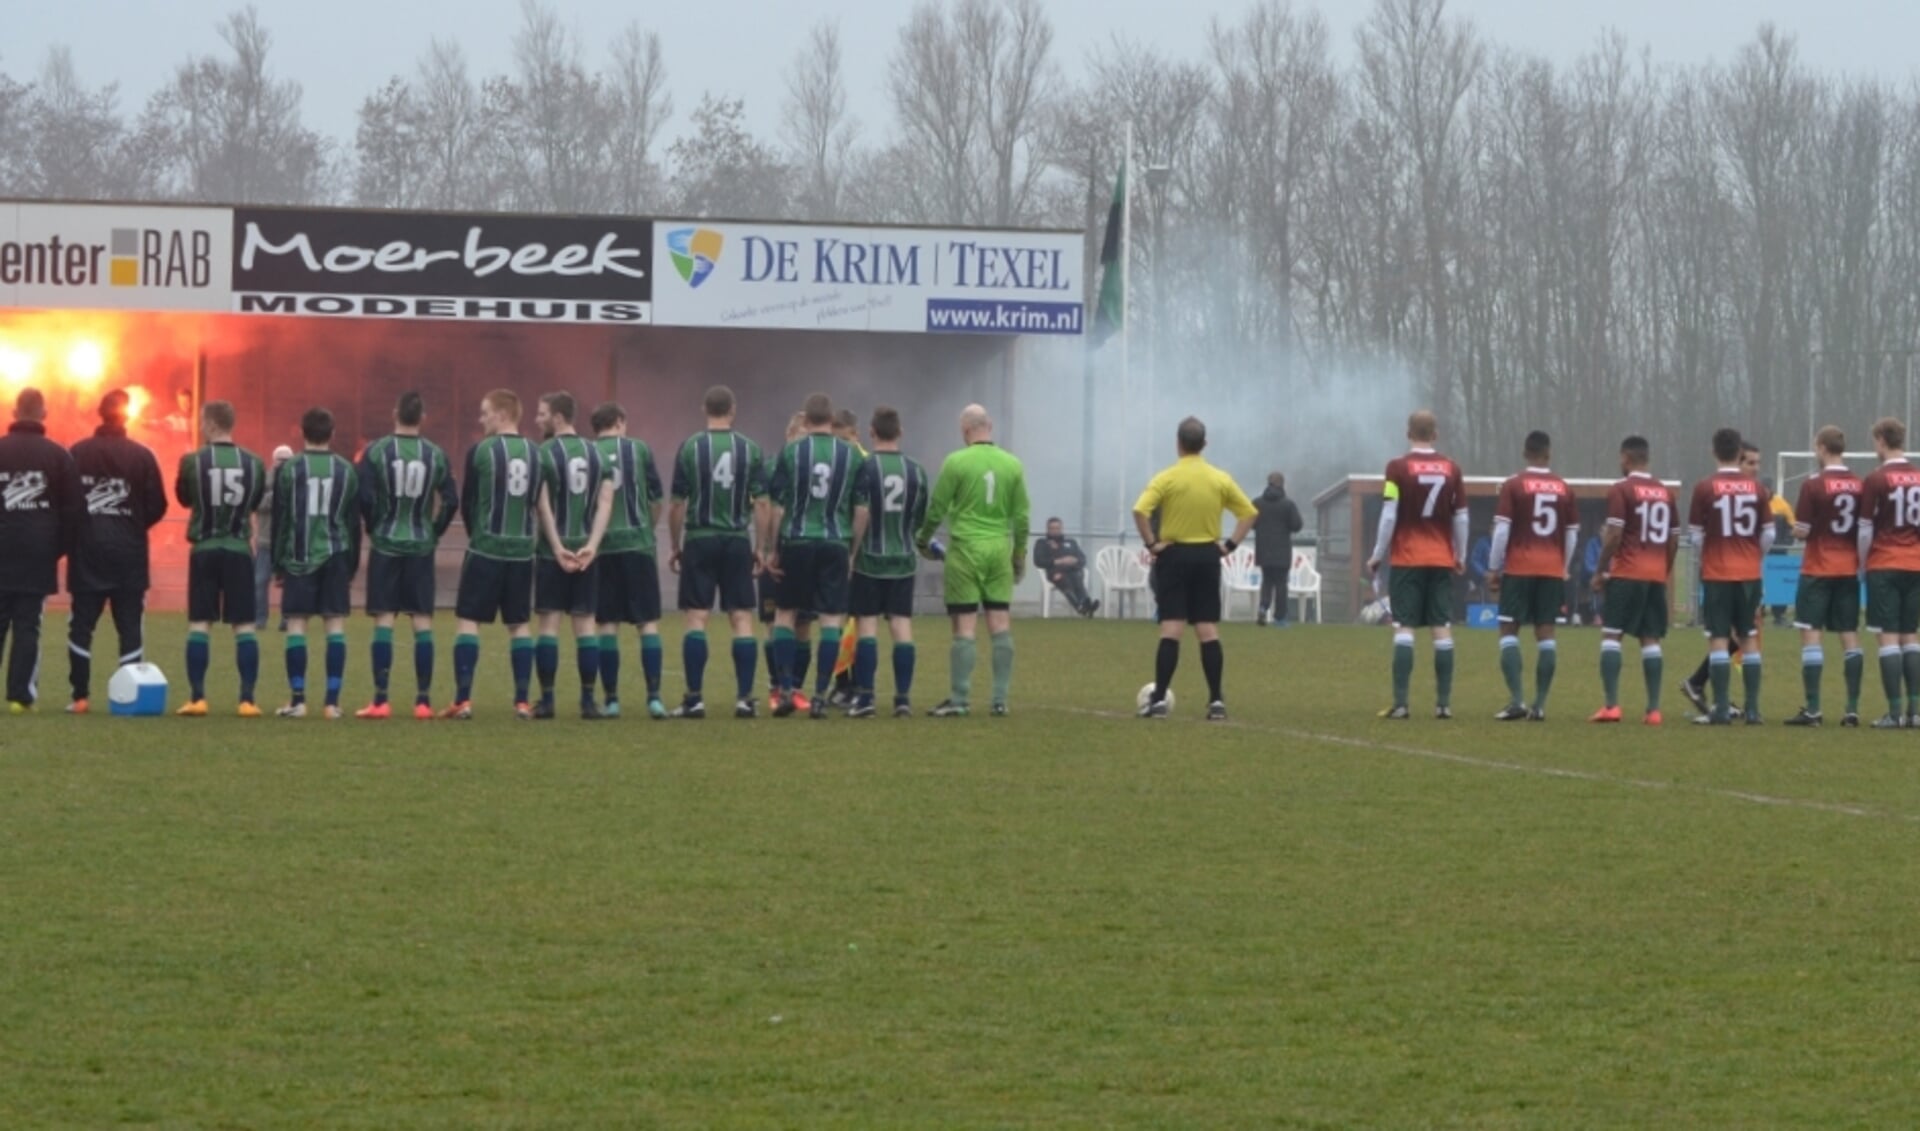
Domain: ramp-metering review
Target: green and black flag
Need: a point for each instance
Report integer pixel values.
(1111, 311)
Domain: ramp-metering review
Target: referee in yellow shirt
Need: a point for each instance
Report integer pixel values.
(1190, 496)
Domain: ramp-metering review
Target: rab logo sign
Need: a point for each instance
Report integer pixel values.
(129, 257)
(398, 265)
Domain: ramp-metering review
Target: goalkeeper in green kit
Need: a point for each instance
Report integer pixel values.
(981, 496)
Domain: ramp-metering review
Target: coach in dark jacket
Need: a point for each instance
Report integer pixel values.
(39, 498)
(1273, 535)
(125, 496)
(1064, 563)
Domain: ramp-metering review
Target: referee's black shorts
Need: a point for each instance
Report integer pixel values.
(1188, 587)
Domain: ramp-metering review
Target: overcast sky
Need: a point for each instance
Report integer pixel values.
(340, 50)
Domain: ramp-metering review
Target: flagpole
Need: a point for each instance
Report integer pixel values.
(1126, 327)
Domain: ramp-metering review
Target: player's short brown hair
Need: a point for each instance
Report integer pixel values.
(1636, 450)
(218, 415)
(561, 405)
(606, 417)
(886, 423)
(503, 402)
(409, 410)
(819, 410)
(1423, 427)
(796, 426)
(1830, 440)
(719, 402)
(844, 420)
(114, 407)
(1193, 436)
(316, 426)
(1726, 445)
(1890, 432)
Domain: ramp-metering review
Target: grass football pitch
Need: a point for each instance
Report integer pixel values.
(1305, 918)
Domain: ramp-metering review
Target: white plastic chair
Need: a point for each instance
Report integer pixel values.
(1121, 574)
(1303, 583)
(1238, 574)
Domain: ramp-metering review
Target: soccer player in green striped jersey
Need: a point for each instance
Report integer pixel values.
(498, 496)
(629, 583)
(222, 485)
(576, 502)
(810, 518)
(719, 500)
(316, 551)
(893, 492)
(408, 499)
(981, 495)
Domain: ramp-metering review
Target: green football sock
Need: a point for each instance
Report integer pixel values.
(1890, 677)
(1910, 665)
(1510, 669)
(1720, 674)
(1653, 667)
(1402, 669)
(1610, 664)
(1544, 665)
(1856, 662)
(1443, 673)
(963, 658)
(1750, 671)
(1813, 665)
(1002, 665)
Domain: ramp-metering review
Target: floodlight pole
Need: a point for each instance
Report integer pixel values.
(1126, 326)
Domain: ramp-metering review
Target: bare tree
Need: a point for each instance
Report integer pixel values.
(640, 107)
(820, 133)
(77, 136)
(722, 170)
(233, 131)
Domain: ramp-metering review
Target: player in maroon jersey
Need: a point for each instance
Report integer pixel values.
(1536, 526)
(1423, 535)
(1890, 549)
(1729, 524)
(1636, 563)
(1826, 519)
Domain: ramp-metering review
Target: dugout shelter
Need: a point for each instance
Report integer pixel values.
(281, 309)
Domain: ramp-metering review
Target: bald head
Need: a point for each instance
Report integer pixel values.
(975, 424)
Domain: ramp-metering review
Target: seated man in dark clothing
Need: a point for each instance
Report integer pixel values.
(1065, 566)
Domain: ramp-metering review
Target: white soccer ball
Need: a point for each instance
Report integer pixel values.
(1146, 696)
(1375, 611)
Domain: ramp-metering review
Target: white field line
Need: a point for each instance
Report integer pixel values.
(1468, 760)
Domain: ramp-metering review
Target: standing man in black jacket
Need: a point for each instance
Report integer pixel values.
(125, 497)
(39, 499)
(1273, 535)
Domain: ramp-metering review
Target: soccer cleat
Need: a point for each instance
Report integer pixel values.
(591, 712)
(801, 701)
(999, 710)
(656, 709)
(1157, 709)
(818, 710)
(1913, 722)
(1752, 719)
(1806, 718)
(611, 710)
(1890, 722)
(1695, 696)
(1443, 713)
(1216, 712)
(331, 712)
(948, 709)
(863, 709)
(248, 711)
(1850, 719)
(692, 707)
(20, 708)
(77, 707)
(193, 709)
(840, 698)
(903, 710)
(381, 711)
(1653, 719)
(1396, 713)
(423, 712)
(1537, 715)
(1714, 720)
(463, 710)
(292, 711)
(1606, 715)
(780, 704)
(746, 709)
(523, 712)
(543, 710)
(1511, 713)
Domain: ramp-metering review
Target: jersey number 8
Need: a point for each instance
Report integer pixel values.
(518, 479)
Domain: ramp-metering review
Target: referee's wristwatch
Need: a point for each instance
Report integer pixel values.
(1230, 544)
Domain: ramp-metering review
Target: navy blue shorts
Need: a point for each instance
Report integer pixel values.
(400, 584)
(557, 591)
(326, 592)
(719, 566)
(491, 588)
(814, 577)
(629, 588)
(220, 587)
(880, 596)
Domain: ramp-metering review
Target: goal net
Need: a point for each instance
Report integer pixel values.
(1791, 468)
